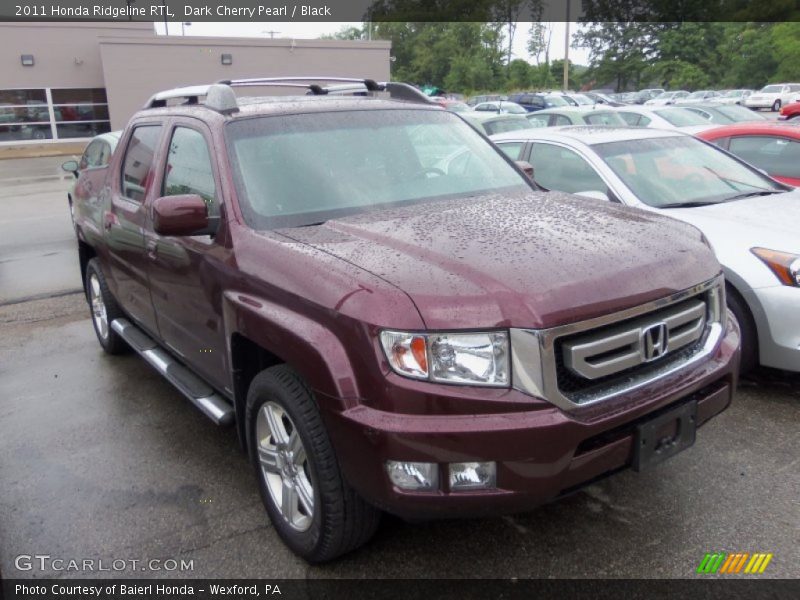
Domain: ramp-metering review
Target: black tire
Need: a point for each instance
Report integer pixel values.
(747, 327)
(109, 339)
(776, 106)
(341, 521)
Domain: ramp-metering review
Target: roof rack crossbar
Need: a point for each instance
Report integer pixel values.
(220, 98)
(370, 84)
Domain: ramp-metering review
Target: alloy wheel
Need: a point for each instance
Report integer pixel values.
(99, 313)
(284, 466)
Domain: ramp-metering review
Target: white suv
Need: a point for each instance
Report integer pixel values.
(773, 96)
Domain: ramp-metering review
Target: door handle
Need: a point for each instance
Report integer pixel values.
(152, 249)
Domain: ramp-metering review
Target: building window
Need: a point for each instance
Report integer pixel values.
(52, 114)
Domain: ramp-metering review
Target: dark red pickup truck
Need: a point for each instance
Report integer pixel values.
(391, 313)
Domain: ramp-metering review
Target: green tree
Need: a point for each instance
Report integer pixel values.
(786, 43)
(346, 32)
(519, 74)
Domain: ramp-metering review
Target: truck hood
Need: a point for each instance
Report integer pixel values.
(522, 260)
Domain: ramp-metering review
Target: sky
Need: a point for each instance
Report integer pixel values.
(302, 30)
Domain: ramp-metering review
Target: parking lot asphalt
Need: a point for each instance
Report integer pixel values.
(101, 459)
(37, 244)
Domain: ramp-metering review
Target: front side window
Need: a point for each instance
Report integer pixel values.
(561, 169)
(681, 170)
(188, 169)
(295, 170)
(561, 120)
(137, 167)
(776, 155)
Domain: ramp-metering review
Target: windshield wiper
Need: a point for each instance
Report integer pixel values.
(728, 181)
(690, 204)
(752, 194)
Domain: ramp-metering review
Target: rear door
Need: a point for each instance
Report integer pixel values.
(125, 218)
(184, 271)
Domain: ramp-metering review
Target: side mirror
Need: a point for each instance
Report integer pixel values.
(182, 215)
(593, 194)
(526, 167)
(71, 166)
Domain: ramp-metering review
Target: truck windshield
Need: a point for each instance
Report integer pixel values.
(304, 169)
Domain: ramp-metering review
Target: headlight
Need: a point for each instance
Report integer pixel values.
(467, 358)
(785, 266)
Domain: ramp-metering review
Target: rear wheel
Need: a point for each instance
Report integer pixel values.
(314, 510)
(104, 309)
(747, 328)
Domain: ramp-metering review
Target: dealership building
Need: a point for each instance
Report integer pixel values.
(62, 83)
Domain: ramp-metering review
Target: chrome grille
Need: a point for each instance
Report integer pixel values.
(654, 336)
(590, 361)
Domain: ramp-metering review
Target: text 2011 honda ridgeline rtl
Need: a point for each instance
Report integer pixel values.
(392, 314)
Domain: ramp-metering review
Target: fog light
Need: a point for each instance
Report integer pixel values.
(413, 475)
(473, 475)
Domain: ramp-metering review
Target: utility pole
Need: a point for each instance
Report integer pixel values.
(566, 52)
(184, 25)
(271, 33)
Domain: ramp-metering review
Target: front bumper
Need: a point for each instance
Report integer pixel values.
(776, 311)
(540, 454)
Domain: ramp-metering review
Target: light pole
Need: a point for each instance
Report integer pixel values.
(184, 25)
(565, 83)
(166, 22)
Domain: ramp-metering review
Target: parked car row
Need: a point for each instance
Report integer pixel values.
(399, 315)
(772, 96)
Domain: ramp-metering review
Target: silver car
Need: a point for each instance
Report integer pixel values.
(663, 117)
(749, 219)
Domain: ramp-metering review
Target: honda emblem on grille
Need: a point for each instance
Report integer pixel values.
(654, 341)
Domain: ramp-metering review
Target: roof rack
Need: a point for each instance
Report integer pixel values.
(221, 97)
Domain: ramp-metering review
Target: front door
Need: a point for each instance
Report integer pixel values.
(185, 271)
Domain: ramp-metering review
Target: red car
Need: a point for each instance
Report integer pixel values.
(772, 147)
(790, 111)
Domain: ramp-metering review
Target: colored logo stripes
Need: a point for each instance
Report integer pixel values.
(736, 562)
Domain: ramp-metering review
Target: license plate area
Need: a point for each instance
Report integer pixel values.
(664, 435)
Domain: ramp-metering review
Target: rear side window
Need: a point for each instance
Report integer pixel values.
(632, 119)
(188, 169)
(137, 167)
(538, 120)
(561, 120)
(604, 118)
(511, 149)
(776, 155)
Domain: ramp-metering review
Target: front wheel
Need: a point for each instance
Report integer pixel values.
(776, 106)
(314, 510)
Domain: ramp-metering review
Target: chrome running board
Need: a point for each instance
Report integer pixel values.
(211, 404)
